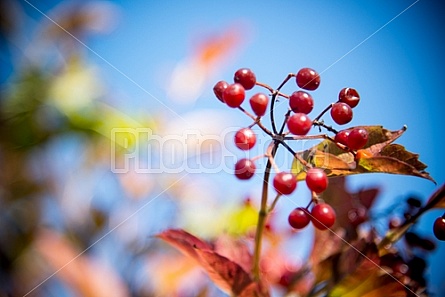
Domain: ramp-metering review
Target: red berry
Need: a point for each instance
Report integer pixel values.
(341, 113)
(219, 88)
(299, 124)
(439, 228)
(342, 137)
(245, 77)
(349, 96)
(245, 139)
(284, 183)
(299, 218)
(259, 103)
(357, 215)
(308, 79)
(245, 169)
(301, 101)
(323, 216)
(357, 139)
(316, 180)
(234, 95)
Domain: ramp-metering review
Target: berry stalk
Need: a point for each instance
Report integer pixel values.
(262, 216)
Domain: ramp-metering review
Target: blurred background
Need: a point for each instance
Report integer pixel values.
(85, 85)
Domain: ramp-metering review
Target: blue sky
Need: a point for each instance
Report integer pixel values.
(392, 54)
(390, 51)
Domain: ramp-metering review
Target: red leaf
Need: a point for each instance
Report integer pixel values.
(225, 274)
(184, 242)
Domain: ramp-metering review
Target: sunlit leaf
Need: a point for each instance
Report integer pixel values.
(368, 280)
(225, 273)
(381, 157)
(184, 242)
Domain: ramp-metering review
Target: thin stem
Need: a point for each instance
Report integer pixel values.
(262, 215)
(307, 137)
(271, 90)
(323, 112)
(286, 117)
(296, 155)
(327, 127)
(272, 206)
(274, 97)
(257, 121)
(272, 118)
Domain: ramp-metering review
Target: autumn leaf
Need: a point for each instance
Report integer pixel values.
(225, 274)
(381, 157)
(254, 290)
(185, 242)
(369, 280)
(228, 275)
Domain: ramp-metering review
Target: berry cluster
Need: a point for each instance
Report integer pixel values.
(298, 124)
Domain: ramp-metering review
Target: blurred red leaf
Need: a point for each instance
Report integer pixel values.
(185, 242)
(225, 273)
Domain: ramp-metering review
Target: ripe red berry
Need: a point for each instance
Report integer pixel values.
(245, 139)
(308, 79)
(342, 137)
(323, 216)
(259, 103)
(316, 180)
(349, 96)
(245, 77)
(284, 183)
(439, 228)
(299, 218)
(301, 101)
(357, 139)
(234, 95)
(357, 215)
(245, 169)
(219, 88)
(299, 124)
(341, 113)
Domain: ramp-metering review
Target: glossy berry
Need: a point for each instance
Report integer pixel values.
(299, 124)
(245, 169)
(342, 137)
(234, 95)
(245, 77)
(300, 101)
(299, 218)
(259, 103)
(245, 139)
(323, 216)
(316, 180)
(219, 88)
(357, 139)
(349, 96)
(341, 113)
(308, 79)
(284, 183)
(357, 215)
(439, 228)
